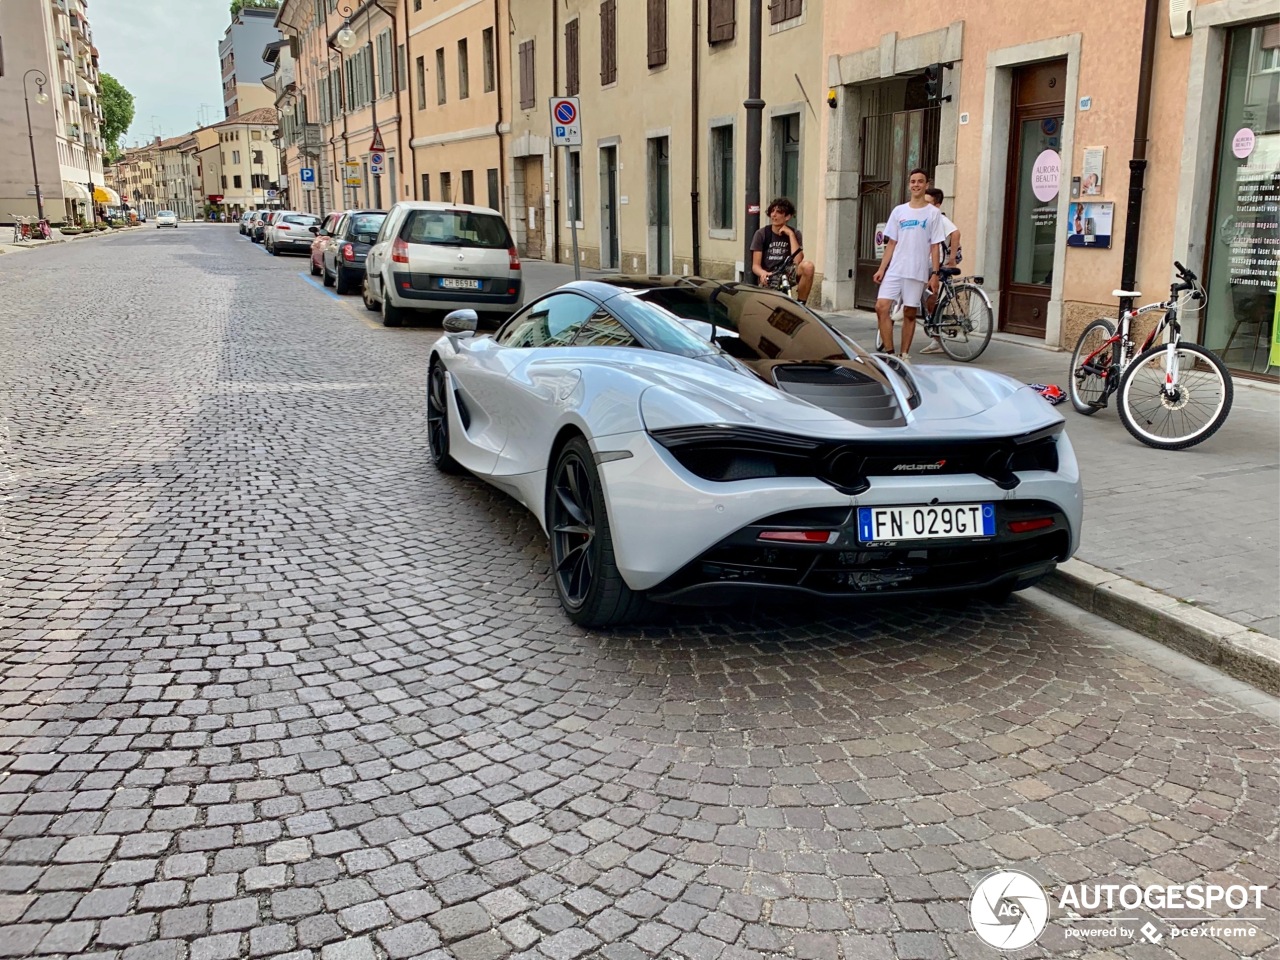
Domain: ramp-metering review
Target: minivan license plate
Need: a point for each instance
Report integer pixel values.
(451, 283)
(944, 521)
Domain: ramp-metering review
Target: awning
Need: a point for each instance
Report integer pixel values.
(106, 195)
(74, 191)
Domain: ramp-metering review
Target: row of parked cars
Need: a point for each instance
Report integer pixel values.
(419, 256)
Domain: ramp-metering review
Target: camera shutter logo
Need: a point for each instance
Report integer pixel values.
(1008, 910)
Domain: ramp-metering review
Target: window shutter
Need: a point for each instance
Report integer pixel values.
(526, 75)
(571, 76)
(657, 33)
(608, 41)
(721, 20)
(782, 10)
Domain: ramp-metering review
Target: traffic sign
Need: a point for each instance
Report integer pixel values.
(566, 122)
(307, 174)
(376, 146)
(375, 163)
(271, 194)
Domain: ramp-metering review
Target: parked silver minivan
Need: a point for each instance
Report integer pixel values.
(442, 257)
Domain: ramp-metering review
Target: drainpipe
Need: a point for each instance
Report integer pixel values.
(497, 89)
(755, 108)
(693, 195)
(1138, 165)
(555, 154)
(413, 154)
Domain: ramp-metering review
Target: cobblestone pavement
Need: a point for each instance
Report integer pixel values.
(271, 686)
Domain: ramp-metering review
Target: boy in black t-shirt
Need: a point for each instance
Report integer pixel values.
(772, 245)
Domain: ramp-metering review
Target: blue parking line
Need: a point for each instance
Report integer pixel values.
(323, 289)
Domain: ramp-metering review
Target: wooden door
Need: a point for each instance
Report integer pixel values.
(1031, 234)
(535, 236)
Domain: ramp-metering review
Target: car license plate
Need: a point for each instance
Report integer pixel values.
(451, 283)
(944, 521)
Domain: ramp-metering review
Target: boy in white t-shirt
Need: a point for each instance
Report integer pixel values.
(912, 252)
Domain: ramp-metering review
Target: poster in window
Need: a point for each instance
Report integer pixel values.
(1089, 224)
(1091, 175)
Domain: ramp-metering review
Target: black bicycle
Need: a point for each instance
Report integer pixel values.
(961, 318)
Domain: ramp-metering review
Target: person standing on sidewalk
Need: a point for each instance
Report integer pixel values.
(950, 257)
(912, 251)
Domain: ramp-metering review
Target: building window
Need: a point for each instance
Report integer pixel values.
(494, 199)
(237, 181)
(420, 76)
(571, 74)
(722, 197)
(468, 187)
(657, 33)
(781, 11)
(417, 6)
(721, 20)
(575, 185)
(446, 187)
(489, 72)
(464, 71)
(526, 75)
(608, 42)
(386, 68)
(441, 90)
(786, 157)
(426, 182)
(402, 69)
(257, 156)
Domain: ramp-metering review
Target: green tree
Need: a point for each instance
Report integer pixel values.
(238, 5)
(117, 114)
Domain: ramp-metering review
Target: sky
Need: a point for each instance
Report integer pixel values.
(165, 52)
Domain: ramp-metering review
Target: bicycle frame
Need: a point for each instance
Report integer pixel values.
(1122, 346)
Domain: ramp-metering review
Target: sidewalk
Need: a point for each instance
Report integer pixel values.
(1200, 526)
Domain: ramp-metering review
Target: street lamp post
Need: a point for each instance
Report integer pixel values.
(346, 40)
(41, 98)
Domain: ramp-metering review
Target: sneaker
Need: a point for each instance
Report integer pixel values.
(933, 346)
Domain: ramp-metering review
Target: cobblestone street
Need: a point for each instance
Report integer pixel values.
(270, 685)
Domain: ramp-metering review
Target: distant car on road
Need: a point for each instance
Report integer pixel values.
(245, 219)
(323, 236)
(343, 258)
(290, 232)
(442, 256)
(166, 218)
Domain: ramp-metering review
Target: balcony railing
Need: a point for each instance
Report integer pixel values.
(69, 91)
(60, 5)
(63, 48)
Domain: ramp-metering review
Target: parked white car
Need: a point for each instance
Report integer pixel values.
(443, 256)
(166, 218)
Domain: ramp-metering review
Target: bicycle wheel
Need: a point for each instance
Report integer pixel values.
(964, 329)
(1088, 387)
(1191, 412)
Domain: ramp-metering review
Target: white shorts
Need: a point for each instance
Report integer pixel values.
(910, 292)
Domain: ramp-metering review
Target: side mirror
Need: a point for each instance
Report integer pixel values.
(314, 230)
(461, 321)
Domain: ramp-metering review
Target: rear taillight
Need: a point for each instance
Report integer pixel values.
(349, 252)
(399, 251)
(282, 226)
(514, 258)
(1026, 526)
(800, 536)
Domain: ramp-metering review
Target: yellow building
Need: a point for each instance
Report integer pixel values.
(658, 183)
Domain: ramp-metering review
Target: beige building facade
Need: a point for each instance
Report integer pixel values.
(661, 87)
(48, 51)
(1032, 139)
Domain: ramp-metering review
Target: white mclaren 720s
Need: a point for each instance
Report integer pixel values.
(694, 441)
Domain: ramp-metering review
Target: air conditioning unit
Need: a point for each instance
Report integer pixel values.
(1180, 17)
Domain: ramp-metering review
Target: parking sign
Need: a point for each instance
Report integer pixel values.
(307, 174)
(566, 122)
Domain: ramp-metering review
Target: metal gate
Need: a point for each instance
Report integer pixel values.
(893, 144)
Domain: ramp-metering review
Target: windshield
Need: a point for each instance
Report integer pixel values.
(364, 227)
(456, 228)
(658, 328)
(302, 219)
(166, 213)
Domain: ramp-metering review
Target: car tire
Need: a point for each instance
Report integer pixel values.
(392, 316)
(341, 283)
(315, 271)
(438, 420)
(271, 249)
(583, 567)
(370, 305)
(325, 278)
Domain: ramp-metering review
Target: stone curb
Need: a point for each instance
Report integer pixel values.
(1234, 649)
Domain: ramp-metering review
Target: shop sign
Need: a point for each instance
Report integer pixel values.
(1045, 175)
(1242, 143)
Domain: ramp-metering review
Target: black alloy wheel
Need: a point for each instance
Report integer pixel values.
(438, 419)
(587, 579)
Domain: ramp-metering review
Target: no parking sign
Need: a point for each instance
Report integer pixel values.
(566, 122)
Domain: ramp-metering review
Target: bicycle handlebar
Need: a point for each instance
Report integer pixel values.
(1183, 272)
